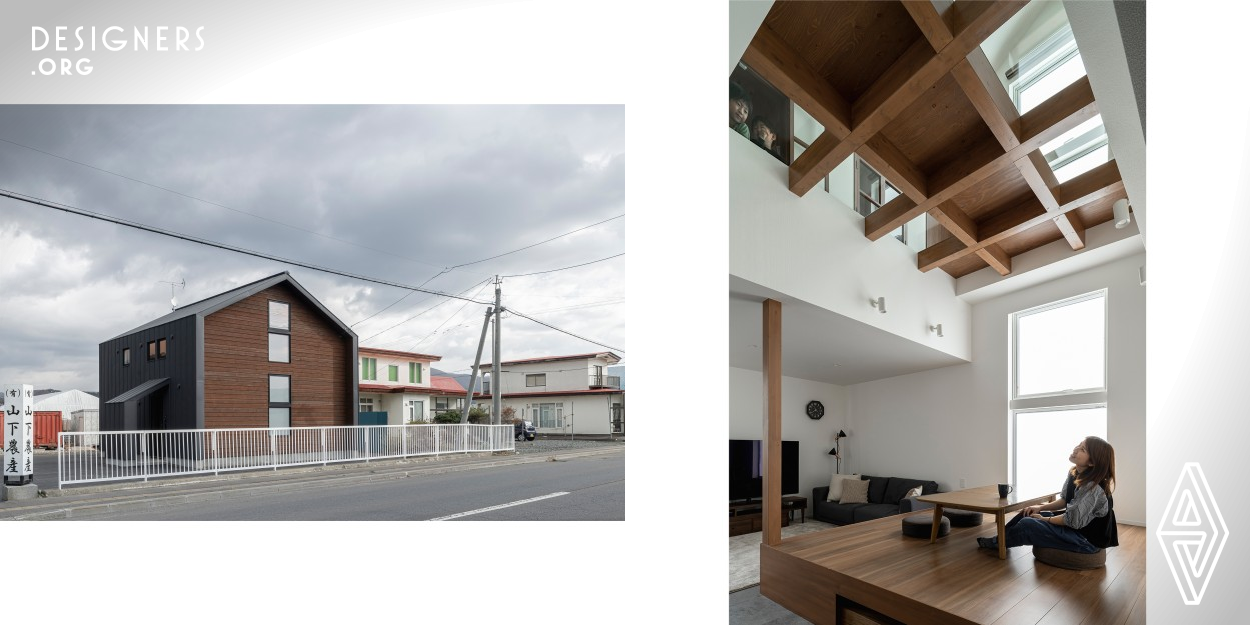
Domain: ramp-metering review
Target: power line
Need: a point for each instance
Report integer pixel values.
(219, 205)
(521, 275)
(30, 199)
(543, 323)
(482, 283)
(536, 244)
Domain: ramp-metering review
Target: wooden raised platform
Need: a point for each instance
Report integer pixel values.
(870, 573)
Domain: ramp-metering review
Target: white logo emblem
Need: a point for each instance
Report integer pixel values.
(1192, 533)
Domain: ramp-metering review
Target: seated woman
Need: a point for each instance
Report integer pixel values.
(1083, 520)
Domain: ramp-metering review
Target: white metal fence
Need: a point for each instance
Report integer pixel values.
(109, 456)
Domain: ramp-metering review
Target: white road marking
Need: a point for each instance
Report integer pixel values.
(506, 505)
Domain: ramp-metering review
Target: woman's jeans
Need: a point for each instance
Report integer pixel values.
(1024, 530)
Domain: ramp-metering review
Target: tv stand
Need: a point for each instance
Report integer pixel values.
(748, 516)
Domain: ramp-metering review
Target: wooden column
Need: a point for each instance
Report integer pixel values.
(772, 422)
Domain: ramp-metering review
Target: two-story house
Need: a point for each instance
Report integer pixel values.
(562, 394)
(265, 354)
(402, 385)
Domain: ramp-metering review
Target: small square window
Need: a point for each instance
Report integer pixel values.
(280, 418)
(536, 379)
(279, 347)
(279, 316)
(125, 356)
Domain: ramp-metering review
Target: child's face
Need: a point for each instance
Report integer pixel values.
(738, 111)
(765, 134)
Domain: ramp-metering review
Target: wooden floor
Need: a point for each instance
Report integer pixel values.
(841, 571)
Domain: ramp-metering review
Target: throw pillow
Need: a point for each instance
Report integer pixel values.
(835, 485)
(854, 491)
(915, 492)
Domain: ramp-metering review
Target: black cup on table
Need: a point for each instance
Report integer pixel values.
(1004, 490)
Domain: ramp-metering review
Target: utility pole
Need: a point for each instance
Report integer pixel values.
(473, 376)
(495, 417)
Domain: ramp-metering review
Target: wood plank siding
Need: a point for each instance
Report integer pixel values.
(237, 367)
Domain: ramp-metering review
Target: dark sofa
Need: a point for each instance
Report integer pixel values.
(885, 498)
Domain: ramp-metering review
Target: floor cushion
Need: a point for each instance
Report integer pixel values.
(1070, 559)
(963, 518)
(921, 526)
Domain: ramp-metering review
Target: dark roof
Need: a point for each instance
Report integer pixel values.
(221, 300)
(139, 391)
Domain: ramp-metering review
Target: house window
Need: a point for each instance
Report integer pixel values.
(414, 373)
(872, 191)
(280, 401)
(161, 348)
(536, 379)
(151, 350)
(366, 404)
(279, 347)
(414, 411)
(279, 316)
(548, 415)
(1059, 386)
(392, 373)
(368, 368)
(1041, 73)
(125, 356)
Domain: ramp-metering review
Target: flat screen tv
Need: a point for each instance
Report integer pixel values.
(746, 469)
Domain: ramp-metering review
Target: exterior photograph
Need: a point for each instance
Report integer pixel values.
(275, 312)
(937, 316)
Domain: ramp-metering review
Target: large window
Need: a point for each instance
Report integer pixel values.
(414, 411)
(1058, 387)
(279, 332)
(548, 415)
(280, 401)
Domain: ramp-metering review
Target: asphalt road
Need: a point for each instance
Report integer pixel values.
(577, 489)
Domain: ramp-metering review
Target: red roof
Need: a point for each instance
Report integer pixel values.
(610, 356)
(598, 391)
(391, 352)
(439, 385)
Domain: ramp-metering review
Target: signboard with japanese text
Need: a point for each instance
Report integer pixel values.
(19, 434)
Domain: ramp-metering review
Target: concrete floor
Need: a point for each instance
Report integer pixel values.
(749, 607)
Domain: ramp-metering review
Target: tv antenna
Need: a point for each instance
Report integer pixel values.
(173, 303)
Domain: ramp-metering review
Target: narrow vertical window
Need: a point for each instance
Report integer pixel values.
(279, 347)
(368, 368)
(392, 373)
(125, 356)
(279, 316)
(280, 402)
(161, 348)
(151, 350)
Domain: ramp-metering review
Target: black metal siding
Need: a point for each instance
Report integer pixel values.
(179, 365)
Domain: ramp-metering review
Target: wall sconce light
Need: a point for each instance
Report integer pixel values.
(937, 328)
(878, 303)
(1119, 212)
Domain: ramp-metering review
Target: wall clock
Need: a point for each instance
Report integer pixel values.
(815, 409)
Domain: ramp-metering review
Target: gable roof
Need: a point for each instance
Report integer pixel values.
(609, 355)
(217, 302)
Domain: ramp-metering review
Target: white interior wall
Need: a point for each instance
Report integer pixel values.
(813, 248)
(952, 423)
(746, 420)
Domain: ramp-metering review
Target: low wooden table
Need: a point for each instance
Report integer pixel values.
(981, 499)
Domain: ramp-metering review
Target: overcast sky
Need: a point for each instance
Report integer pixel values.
(397, 193)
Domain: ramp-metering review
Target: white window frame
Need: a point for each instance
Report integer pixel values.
(1074, 399)
(1085, 395)
(366, 404)
(539, 379)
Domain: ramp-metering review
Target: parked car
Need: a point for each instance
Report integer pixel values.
(524, 430)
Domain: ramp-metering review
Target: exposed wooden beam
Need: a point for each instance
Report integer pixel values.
(956, 221)
(1066, 110)
(932, 23)
(886, 158)
(825, 153)
(1041, 179)
(1093, 185)
(772, 422)
(1073, 229)
(997, 258)
(779, 64)
(976, 77)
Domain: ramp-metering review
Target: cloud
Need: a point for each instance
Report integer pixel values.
(397, 193)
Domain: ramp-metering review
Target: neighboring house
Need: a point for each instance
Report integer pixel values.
(266, 354)
(401, 384)
(66, 403)
(562, 394)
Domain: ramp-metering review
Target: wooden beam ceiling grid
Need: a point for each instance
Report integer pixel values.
(938, 127)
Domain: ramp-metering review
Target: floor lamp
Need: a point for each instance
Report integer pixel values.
(834, 452)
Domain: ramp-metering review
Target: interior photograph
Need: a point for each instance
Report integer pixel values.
(937, 312)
